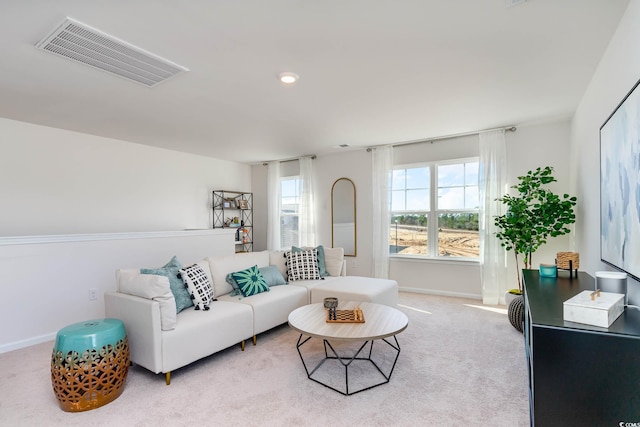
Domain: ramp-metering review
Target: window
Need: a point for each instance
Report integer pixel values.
(434, 209)
(289, 211)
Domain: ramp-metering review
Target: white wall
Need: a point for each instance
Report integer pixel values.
(45, 282)
(54, 181)
(533, 145)
(616, 74)
(355, 165)
(57, 182)
(539, 145)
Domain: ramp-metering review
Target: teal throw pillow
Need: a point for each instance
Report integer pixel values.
(236, 289)
(178, 289)
(272, 275)
(321, 264)
(250, 281)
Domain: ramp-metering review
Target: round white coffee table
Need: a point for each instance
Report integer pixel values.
(381, 322)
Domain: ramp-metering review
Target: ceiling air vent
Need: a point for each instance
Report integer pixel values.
(79, 42)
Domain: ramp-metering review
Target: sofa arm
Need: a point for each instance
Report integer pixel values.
(141, 318)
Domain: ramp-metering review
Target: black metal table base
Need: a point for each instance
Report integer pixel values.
(346, 362)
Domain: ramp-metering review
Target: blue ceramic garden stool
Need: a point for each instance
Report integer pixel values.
(89, 364)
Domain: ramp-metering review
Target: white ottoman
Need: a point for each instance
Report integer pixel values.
(355, 288)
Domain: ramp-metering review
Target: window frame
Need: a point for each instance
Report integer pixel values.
(434, 211)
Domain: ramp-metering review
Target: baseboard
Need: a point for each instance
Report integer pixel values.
(441, 293)
(16, 345)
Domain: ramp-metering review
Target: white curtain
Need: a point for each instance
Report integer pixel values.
(273, 206)
(492, 179)
(306, 219)
(382, 166)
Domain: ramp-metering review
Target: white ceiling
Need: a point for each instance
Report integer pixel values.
(372, 71)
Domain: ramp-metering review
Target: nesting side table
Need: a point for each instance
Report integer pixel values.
(89, 364)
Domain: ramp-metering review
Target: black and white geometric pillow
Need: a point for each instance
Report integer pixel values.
(199, 286)
(302, 265)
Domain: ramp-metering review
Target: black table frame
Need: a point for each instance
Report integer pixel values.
(346, 362)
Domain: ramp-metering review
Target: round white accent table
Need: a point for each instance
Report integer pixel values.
(381, 322)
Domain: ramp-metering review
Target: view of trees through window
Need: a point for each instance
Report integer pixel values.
(452, 224)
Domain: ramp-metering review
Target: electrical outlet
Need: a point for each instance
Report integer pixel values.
(93, 294)
(353, 263)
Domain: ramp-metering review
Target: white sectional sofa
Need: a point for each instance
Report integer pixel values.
(162, 341)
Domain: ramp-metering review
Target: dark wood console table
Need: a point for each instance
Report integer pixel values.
(579, 375)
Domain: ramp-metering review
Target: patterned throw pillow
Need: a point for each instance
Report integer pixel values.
(302, 265)
(197, 282)
(321, 264)
(250, 281)
(172, 270)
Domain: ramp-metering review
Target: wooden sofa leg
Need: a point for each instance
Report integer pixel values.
(242, 345)
(167, 378)
(255, 339)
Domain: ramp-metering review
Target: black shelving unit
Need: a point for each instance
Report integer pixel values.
(228, 205)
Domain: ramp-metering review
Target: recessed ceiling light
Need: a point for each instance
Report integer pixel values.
(288, 78)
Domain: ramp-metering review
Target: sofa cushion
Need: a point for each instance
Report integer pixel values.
(170, 270)
(201, 333)
(272, 308)
(311, 284)
(279, 259)
(272, 275)
(333, 259)
(151, 287)
(222, 265)
(302, 265)
(355, 288)
(321, 263)
(250, 281)
(197, 281)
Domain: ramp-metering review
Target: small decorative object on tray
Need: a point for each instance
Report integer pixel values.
(330, 302)
(354, 315)
(568, 261)
(548, 270)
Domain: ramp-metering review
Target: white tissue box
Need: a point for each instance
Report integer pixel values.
(602, 311)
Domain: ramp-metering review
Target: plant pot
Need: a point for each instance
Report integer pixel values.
(510, 296)
(516, 312)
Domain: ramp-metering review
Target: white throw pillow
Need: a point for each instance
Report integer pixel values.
(333, 260)
(199, 285)
(152, 287)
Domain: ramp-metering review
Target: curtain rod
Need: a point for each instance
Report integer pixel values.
(398, 144)
(313, 157)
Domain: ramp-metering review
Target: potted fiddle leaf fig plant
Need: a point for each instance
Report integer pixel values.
(532, 216)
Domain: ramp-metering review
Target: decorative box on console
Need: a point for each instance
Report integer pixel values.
(600, 310)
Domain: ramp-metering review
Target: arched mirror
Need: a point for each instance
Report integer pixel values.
(343, 216)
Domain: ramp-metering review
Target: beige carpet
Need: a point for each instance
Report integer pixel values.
(461, 364)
